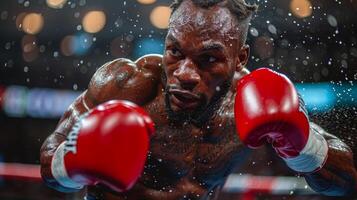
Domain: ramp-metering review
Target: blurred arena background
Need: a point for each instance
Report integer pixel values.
(49, 49)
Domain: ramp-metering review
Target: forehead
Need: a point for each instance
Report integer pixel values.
(190, 21)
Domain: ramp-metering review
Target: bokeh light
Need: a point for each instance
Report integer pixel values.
(146, 1)
(56, 3)
(159, 17)
(81, 44)
(301, 8)
(32, 23)
(67, 48)
(94, 21)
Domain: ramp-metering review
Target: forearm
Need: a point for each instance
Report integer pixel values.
(338, 176)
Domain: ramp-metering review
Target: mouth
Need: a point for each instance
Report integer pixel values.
(184, 99)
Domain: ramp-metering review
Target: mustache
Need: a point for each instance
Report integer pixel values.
(171, 88)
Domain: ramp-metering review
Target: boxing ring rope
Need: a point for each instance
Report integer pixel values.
(236, 183)
(277, 185)
(18, 171)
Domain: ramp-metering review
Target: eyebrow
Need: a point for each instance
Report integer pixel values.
(212, 45)
(208, 45)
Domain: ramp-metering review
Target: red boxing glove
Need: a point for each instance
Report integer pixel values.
(269, 109)
(108, 145)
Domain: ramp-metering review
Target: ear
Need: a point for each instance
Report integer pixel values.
(243, 56)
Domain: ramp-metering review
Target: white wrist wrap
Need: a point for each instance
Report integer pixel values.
(58, 169)
(312, 156)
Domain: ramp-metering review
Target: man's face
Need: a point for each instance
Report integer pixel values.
(201, 56)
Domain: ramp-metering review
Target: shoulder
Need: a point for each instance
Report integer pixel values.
(125, 79)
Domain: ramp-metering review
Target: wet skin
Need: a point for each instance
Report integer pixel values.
(189, 94)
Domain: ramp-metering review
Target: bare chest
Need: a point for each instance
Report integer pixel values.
(203, 155)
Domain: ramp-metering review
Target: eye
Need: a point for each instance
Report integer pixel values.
(208, 59)
(174, 52)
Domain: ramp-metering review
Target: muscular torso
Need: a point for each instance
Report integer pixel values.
(185, 161)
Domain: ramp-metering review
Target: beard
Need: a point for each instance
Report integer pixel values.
(203, 113)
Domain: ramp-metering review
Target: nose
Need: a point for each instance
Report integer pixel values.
(187, 75)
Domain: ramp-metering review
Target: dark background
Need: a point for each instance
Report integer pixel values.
(315, 50)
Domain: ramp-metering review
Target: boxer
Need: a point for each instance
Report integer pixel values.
(165, 127)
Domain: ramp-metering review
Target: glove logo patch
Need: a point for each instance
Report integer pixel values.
(71, 141)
